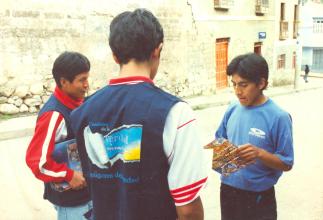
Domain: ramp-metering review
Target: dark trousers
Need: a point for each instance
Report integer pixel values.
(237, 204)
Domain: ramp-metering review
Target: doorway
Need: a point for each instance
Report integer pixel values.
(257, 48)
(221, 61)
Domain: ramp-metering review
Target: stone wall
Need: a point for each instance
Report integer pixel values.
(22, 98)
(34, 33)
(30, 42)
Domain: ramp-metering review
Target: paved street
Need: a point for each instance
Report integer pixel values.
(299, 192)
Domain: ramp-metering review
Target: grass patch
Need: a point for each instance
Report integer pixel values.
(198, 107)
(6, 117)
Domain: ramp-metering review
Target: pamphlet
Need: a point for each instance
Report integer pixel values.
(225, 160)
(66, 152)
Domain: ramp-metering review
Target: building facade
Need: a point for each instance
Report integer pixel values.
(311, 35)
(201, 37)
(267, 27)
(286, 46)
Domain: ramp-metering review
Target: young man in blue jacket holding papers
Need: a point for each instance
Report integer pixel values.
(263, 132)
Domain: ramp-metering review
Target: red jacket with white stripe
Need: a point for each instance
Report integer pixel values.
(50, 129)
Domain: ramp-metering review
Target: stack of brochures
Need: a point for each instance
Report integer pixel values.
(66, 152)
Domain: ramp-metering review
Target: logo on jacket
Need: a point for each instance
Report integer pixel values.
(257, 133)
(123, 143)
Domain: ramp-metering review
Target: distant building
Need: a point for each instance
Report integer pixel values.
(230, 28)
(311, 35)
(315, 1)
(285, 46)
(201, 38)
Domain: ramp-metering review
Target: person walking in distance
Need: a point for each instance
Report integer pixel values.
(307, 70)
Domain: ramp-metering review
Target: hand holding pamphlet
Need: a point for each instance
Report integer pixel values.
(66, 152)
(225, 159)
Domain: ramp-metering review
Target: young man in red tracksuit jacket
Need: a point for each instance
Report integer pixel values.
(71, 72)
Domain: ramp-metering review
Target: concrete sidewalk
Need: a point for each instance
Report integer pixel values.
(24, 126)
(225, 96)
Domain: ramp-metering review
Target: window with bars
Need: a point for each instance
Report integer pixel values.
(316, 1)
(283, 26)
(281, 61)
(282, 11)
(317, 59)
(296, 21)
(318, 25)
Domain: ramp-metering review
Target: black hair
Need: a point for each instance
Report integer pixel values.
(134, 35)
(249, 66)
(68, 65)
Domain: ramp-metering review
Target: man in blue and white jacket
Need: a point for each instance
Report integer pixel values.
(138, 145)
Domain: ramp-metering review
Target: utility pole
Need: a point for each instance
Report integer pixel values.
(297, 65)
(298, 51)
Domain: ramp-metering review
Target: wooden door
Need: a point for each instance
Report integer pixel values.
(221, 62)
(257, 48)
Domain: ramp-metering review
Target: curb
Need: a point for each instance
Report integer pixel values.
(17, 127)
(208, 105)
(221, 103)
(7, 135)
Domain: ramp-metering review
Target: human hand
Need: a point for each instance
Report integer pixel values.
(78, 181)
(248, 154)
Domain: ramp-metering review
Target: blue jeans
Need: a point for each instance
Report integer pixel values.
(73, 213)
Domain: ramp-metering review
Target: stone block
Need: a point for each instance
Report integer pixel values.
(7, 90)
(37, 88)
(3, 99)
(11, 100)
(32, 102)
(18, 102)
(22, 91)
(9, 109)
(23, 108)
(32, 109)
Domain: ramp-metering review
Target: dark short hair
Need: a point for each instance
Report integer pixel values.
(68, 65)
(249, 66)
(134, 35)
